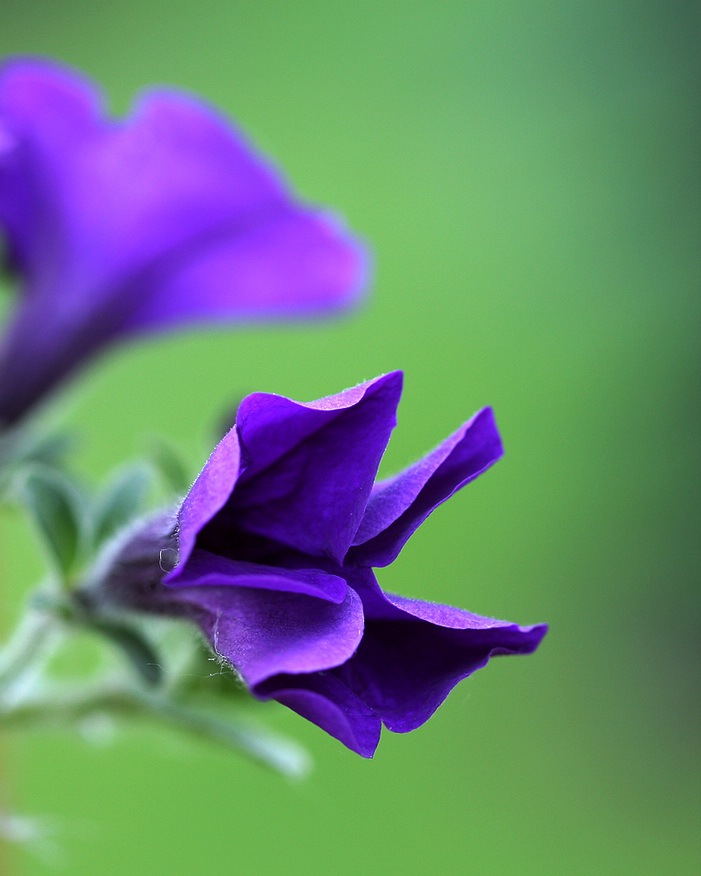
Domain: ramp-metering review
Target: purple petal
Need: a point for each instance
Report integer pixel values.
(165, 218)
(208, 494)
(404, 670)
(206, 569)
(310, 467)
(266, 633)
(44, 114)
(330, 704)
(281, 264)
(399, 505)
(413, 653)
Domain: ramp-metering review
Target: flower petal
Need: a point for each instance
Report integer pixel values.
(206, 569)
(413, 653)
(283, 263)
(44, 116)
(208, 494)
(266, 633)
(330, 704)
(399, 505)
(309, 468)
(168, 217)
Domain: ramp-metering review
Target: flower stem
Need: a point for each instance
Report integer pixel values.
(66, 706)
(26, 654)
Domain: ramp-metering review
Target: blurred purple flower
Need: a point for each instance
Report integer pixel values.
(277, 539)
(118, 228)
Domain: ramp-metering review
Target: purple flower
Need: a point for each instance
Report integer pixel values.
(119, 228)
(277, 539)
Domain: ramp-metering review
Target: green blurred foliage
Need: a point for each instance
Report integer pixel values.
(527, 175)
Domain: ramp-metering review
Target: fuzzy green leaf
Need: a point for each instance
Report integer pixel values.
(57, 508)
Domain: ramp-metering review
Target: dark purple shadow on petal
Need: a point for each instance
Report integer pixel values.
(310, 467)
(206, 569)
(404, 669)
(414, 652)
(330, 704)
(399, 506)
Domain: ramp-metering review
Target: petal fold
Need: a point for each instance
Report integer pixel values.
(331, 705)
(309, 468)
(265, 633)
(404, 670)
(398, 506)
(207, 569)
(413, 652)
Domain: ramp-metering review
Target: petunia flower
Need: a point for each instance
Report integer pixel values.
(118, 228)
(276, 544)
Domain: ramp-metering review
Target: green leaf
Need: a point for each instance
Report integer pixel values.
(121, 502)
(51, 448)
(136, 648)
(57, 508)
(24, 446)
(170, 466)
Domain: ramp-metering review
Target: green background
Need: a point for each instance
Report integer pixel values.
(527, 177)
